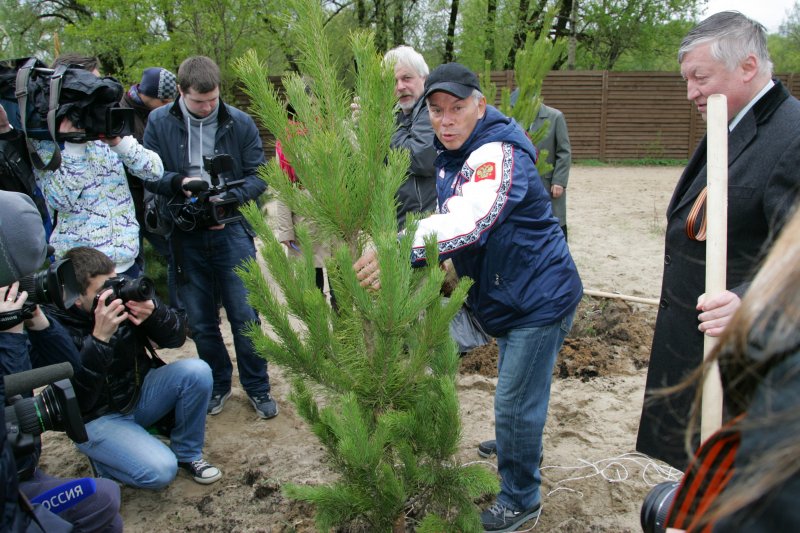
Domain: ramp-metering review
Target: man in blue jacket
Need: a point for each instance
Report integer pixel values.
(495, 221)
(200, 125)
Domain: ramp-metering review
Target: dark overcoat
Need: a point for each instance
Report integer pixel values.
(763, 182)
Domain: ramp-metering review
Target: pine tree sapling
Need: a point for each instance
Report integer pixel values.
(375, 379)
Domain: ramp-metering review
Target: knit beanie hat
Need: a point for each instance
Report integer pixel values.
(23, 247)
(158, 83)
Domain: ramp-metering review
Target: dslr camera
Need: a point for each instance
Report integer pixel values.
(208, 205)
(127, 290)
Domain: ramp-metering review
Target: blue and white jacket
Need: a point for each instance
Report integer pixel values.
(91, 195)
(495, 222)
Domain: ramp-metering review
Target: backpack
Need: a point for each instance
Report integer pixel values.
(157, 218)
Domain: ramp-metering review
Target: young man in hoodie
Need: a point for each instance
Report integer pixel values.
(495, 222)
(200, 125)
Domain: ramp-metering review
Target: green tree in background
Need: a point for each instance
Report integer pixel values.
(785, 46)
(375, 380)
(532, 64)
(130, 36)
(657, 48)
(610, 28)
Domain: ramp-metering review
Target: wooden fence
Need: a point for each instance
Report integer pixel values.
(626, 115)
(612, 115)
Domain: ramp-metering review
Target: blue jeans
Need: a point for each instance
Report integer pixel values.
(121, 447)
(525, 368)
(207, 259)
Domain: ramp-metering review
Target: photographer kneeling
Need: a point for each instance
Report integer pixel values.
(33, 339)
(123, 390)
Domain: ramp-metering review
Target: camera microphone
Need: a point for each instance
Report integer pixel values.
(195, 186)
(33, 379)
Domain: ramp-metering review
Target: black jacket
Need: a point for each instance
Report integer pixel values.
(414, 132)
(111, 374)
(763, 181)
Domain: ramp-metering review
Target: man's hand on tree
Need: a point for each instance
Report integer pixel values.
(367, 270)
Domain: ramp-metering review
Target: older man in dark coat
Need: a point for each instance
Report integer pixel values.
(725, 54)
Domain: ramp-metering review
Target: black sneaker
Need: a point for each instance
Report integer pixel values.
(487, 448)
(201, 471)
(264, 405)
(217, 402)
(500, 518)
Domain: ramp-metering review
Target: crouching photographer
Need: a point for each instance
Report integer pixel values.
(26, 337)
(124, 389)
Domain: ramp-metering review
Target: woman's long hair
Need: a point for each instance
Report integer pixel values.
(763, 333)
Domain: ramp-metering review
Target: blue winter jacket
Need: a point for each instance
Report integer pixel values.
(237, 135)
(495, 221)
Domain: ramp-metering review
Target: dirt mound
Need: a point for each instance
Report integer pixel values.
(608, 338)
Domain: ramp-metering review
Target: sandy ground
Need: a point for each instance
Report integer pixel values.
(592, 482)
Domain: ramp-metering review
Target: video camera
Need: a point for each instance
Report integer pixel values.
(37, 99)
(128, 290)
(208, 206)
(55, 408)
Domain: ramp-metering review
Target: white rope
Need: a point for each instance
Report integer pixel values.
(613, 470)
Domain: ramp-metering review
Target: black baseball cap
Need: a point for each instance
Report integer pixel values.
(453, 78)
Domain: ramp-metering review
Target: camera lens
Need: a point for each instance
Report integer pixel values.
(138, 290)
(656, 505)
(54, 409)
(38, 414)
(55, 285)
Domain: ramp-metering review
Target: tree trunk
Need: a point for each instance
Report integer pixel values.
(451, 33)
(361, 13)
(573, 35)
(520, 33)
(398, 24)
(381, 26)
(491, 15)
(564, 16)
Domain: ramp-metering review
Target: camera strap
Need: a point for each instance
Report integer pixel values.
(23, 76)
(9, 319)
